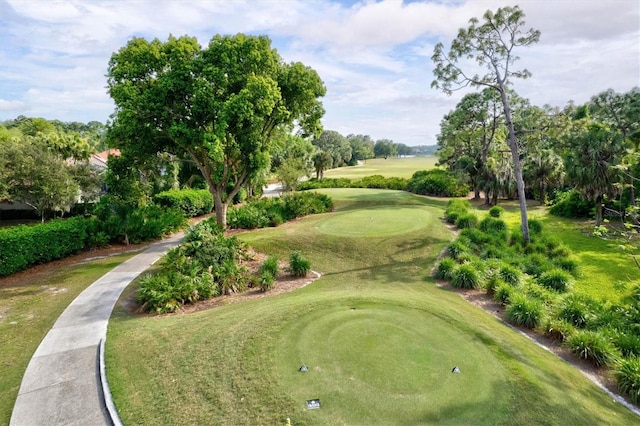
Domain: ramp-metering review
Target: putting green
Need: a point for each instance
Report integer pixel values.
(396, 359)
(376, 221)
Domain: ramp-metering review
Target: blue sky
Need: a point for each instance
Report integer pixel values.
(373, 56)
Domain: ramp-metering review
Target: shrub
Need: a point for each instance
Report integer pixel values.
(466, 276)
(445, 268)
(577, 310)
(510, 274)
(23, 246)
(266, 281)
(523, 311)
(468, 220)
(557, 329)
(496, 211)
(493, 225)
(536, 264)
(456, 249)
(535, 226)
(568, 264)
(270, 266)
(592, 346)
(555, 279)
(571, 204)
(627, 374)
(438, 183)
(298, 265)
(502, 292)
(627, 343)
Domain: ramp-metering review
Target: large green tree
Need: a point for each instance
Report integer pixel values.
(336, 145)
(491, 44)
(220, 105)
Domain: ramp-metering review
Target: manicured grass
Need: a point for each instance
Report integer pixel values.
(379, 338)
(28, 312)
(391, 167)
(606, 270)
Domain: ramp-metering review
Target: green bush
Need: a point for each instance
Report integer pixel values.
(523, 311)
(193, 202)
(592, 346)
(502, 292)
(23, 246)
(577, 310)
(266, 281)
(438, 183)
(493, 225)
(536, 264)
(627, 374)
(555, 279)
(444, 269)
(298, 265)
(466, 276)
(510, 274)
(456, 248)
(557, 329)
(568, 264)
(270, 266)
(627, 343)
(496, 211)
(535, 226)
(468, 220)
(571, 204)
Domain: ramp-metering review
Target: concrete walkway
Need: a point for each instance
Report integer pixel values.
(62, 385)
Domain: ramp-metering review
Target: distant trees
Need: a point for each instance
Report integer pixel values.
(45, 166)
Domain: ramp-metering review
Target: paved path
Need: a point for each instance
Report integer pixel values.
(61, 385)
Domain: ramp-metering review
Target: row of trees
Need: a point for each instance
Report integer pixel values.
(592, 147)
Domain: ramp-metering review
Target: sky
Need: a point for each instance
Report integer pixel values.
(373, 56)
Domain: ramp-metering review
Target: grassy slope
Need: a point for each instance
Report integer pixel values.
(27, 313)
(391, 167)
(387, 361)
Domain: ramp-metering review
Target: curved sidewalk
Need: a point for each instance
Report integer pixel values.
(61, 385)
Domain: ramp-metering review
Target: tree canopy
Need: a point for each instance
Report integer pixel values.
(220, 106)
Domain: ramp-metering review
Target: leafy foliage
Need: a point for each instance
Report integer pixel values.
(298, 264)
(193, 202)
(466, 276)
(523, 311)
(438, 183)
(592, 346)
(627, 375)
(556, 279)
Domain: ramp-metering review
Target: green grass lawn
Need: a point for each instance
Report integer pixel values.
(379, 338)
(606, 270)
(28, 312)
(391, 167)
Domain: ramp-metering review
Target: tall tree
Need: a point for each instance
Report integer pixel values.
(361, 147)
(491, 44)
(591, 162)
(221, 105)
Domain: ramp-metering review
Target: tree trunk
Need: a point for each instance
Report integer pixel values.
(543, 194)
(220, 208)
(599, 211)
(513, 145)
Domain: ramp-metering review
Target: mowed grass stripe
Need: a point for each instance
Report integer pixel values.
(239, 363)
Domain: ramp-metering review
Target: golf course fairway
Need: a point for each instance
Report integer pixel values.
(379, 339)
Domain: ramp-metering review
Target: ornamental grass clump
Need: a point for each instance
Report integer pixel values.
(577, 310)
(627, 374)
(456, 249)
(557, 329)
(466, 276)
(556, 279)
(444, 269)
(267, 273)
(496, 211)
(593, 346)
(510, 274)
(523, 311)
(467, 220)
(502, 292)
(299, 265)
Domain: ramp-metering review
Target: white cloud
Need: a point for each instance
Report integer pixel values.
(373, 56)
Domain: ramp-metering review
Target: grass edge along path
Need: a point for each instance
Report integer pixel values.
(28, 311)
(238, 363)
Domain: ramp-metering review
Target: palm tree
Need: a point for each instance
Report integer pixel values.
(590, 163)
(542, 170)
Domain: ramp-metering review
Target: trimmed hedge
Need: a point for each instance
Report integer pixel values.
(193, 202)
(23, 246)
